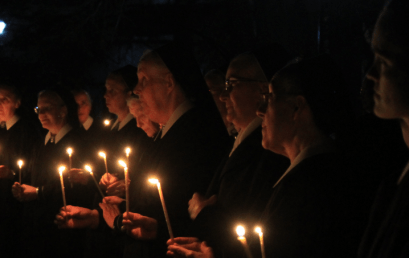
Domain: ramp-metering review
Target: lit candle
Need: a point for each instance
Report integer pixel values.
(240, 232)
(123, 164)
(127, 151)
(260, 234)
(102, 154)
(88, 168)
(156, 181)
(69, 151)
(61, 169)
(20, 164)
(107, 122)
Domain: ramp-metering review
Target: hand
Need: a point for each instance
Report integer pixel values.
(77, 217)
(5, 172)
(106, 180)
(114, 200)
(110, 212)
(24, 193)
(117, 188)
(188, 247)
(198, 202)
(77, 175)
(140, 227)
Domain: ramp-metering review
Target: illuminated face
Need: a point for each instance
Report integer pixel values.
(277, 125)
(142, 121)
(152, 91)
(8, 105)
(242, 100)
(50, 113)
(115, 96)
(84, 106)
(390, 80)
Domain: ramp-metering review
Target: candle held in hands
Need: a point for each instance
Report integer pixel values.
(123, 164)
(61, 170)
(20, 164)
(260, 234)
(240, 232)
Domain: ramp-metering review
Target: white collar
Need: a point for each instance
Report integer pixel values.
(246, 132)
(123, 122)
(63, 131)
(319, 148)
(87, 124)
(179, 111)
(12, 121)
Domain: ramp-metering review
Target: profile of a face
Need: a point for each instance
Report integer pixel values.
(8, 104)
(142, 120)
(115, 96)
(387, 73)
(51, 112)
(84, 106)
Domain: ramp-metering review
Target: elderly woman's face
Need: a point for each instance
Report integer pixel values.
(50, 112)
(142, 120)
(8, 105)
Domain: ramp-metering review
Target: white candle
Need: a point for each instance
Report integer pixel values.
(165, 211)
(127, 151)
(260, 234)
(61, 169)
(102, 154)
(88, 168)
(69, 151)
(240, 232)
(20, 164)
(123, 164)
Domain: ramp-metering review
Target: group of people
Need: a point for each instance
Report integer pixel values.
(262, 145)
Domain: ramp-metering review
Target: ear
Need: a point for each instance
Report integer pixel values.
(64, 111)
(299, 104)
(17, 105)
(170, 82)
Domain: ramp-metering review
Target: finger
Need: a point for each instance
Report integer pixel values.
(184, 240)
(181, 250)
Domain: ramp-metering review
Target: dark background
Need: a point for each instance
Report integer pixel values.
(78, 42)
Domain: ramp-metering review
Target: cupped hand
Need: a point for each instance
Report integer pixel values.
(139, 226)
(188, 247)
(24, 193)
(109, 212)
(76, 217)
(106, 180)
(198, 202)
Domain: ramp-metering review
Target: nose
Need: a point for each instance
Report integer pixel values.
(224, 95)
(373, 74)
(137, 89)
(261, 111)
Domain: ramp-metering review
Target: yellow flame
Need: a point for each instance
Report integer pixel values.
(20, 163)
(107, 122)
(258, 230)
(102, 154)
(88, 168)
(240, 231)
(128, 150)
(69, 151)
(153, 181)
(61, 169)
(122, 163)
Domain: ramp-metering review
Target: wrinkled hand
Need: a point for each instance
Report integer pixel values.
(198, 202)
(77, 175)
(188, 247)
(117, 188)
(77, 217)
(6, 172)
(106, 180)
(114, 200)
(110, 212)
(140, 227)
(24, 193)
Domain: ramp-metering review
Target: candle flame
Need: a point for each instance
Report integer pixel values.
(153, 181)
(122, 163)
(20, 163)
(69, 151)
(102, 154)
(240, 231)
(61, 169)
(88, 168)
(258, 230)
(128, 150)
(107, 122)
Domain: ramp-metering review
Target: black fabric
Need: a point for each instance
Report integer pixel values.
(183, 161)
(243, 185)
(387, 232)
(128, 74)
(312, 211)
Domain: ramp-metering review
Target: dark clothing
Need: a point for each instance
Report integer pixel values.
(311, 212)
(243, 184)
(183, 161)
(387, 234)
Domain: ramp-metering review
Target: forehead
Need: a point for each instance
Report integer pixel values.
(6, 93)
(114, 84)
(47, 101)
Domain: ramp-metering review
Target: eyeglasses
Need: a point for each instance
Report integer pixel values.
(266, 96)
(229, 83)
(46, 109)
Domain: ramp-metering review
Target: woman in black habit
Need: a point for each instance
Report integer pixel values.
(57, 112)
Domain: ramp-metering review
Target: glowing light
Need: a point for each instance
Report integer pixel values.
(69, 151)
(20, 163)
(240, 231)
(88, 168)
(102, 154)
(61, 169)
(107, 122)
(128, 150)
(122, 163)
(258, 230)
(153, 181)
(2, 27)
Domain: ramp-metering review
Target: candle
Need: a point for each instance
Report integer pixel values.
(88, 168)
(156, 181)
(20, 164)
(240, 232)
(102, 154)
(106, 122)
(123, 164)
(61, 169)
(127, 151)
(260, 234)
(69, 151)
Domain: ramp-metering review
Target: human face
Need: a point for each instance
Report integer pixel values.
(142, 121)
(8, 105)
(84, 106)
(152, 91)
(277, 126)
(242, 100)
(389, 78)
(115, 96)
(51, 114)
